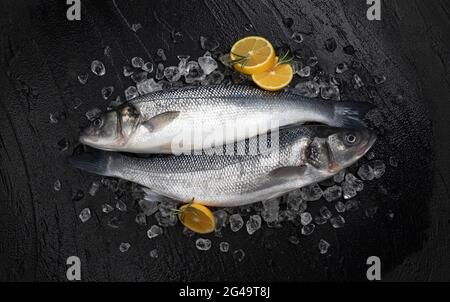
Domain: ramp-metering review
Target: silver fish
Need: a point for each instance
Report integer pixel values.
(303, 155)
(198, 118)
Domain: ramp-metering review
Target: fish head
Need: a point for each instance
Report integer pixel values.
(334, 149)
(112, 129)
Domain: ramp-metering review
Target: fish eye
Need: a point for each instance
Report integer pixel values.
(350, 139)
(97, 123)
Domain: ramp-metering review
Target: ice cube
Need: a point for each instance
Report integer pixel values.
(114, 222)
(141, 219)
(312, 192)
(340, 176)
(371, 211)
(348, 190)
(306, 218)
(354, 182)
(98, 68)
(365, 172)
(253, 224)
(341, 68)
(106, 208)
(288, 22)
(154, 231)
(379, 168)
(312, 61)
(159, 71)
(148, 86)
(340, 207)
(221, 218)
(304, 72)
(172, 73)
(148, 67)
(148, 207)
(136, 26)
(319, 220)
(127, 71)
(330, 92)
(121, 206)
(357, 81)
(393, 161)
(332, 193)
(271, 210)
(239, 255)
(208, 43)
(325, 212)
(308, 229)
(139, 76)
(131, 93)
(154, 253)
(107, 92)
(124, 247)
(203, 244)
(94, 188)
(330, 44)
(83, 78)
(93, 114)
(215, 78)
(137, 62)
(57, 185)
(352, 205)
(224, 247)
(187, 232)
(248, 27)
(308, 89)
(207, 64)
(161, 54)
(166, 221)
(294, 240)
(294, 203)
(349, 49)
(337, 221)
(225, 60)
(182, 65)
(195, 72)
(380, 79)
(236, 222)
(297, 37)
(323, 246)
(85, 215)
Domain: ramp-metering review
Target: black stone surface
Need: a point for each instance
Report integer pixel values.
(41, 54)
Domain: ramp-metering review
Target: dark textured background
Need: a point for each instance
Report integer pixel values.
(41, 54)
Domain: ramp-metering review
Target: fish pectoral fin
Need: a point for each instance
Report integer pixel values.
(288, 172)
(160, 121)
(149, 195)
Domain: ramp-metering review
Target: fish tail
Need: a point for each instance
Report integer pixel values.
(350, 114)
(97, 162)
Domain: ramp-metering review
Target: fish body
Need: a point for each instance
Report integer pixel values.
(198, 118)
(301, 156)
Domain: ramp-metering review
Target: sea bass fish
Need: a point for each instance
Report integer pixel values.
(197, 118)
(303, 155)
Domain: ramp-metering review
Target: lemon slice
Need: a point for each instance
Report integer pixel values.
(252, 55)
(197, 218)
(275, 78)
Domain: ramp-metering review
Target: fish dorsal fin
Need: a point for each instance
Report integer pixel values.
(161, 120)
(288, 172)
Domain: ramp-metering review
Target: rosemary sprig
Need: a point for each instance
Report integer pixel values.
(285, 58)
(242, 60)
